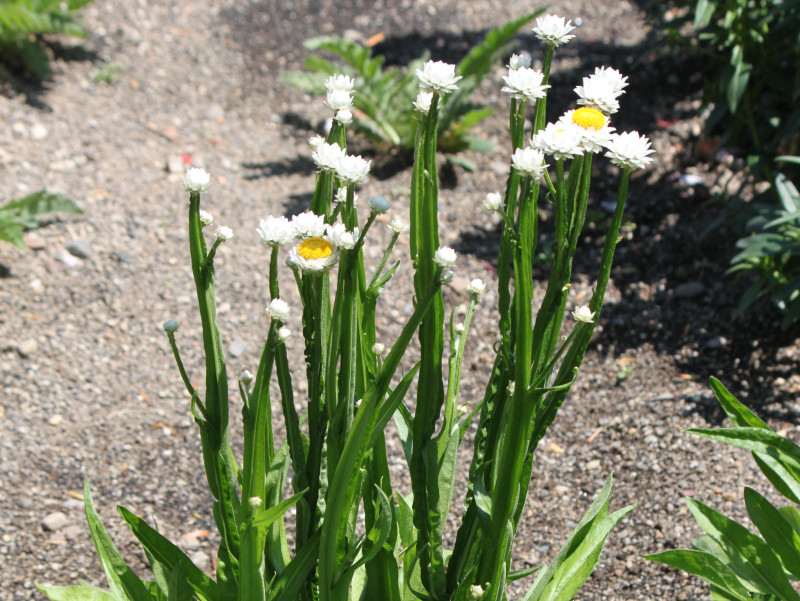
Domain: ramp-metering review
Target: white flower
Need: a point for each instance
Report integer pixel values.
(560, 140)
(583, 314)
(313, 255)
(512, 388)
(338, 235)
(601, 90)
(378, 348)
(593, 127)
(308, 225)
(476, 288)
(493, 201)
(423, 102)
(340, 82)
(206, 218)
(396, 225)
(629, 150)
(444, 257)
(519, 61)
(524, 83)
(278, 310)
(344, 116)
(276, 231)
(246, 377)
(224, 233)
(314, 142)
(459, 329)
(327, 156)
(338, 99)
(378, 204)
(476, 591)
(352, 169)
(196, 180)
(529, 161)
(341, 196)
(553, 30)
(437, 76)
(284, 334)
(254, 502)
(446, 276)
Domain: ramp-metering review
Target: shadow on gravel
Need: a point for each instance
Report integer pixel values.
(299, 164)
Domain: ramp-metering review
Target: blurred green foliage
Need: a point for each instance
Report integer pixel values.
(16, 216)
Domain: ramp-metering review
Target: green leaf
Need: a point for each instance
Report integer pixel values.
(790, 198)
(287, 585)
(737, 83)
(169, 555)
(777, 532)
(703, 11)
(405, 520)
(738, 413)
(179, 589)
(123, 582)
(749, 555)
(759, 440)
(76, 593)
(36, 204)
(392, 404)
(706, 566)
(11, 232)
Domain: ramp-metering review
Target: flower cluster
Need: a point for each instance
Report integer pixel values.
(602, 90)
(340, 97)
(331, 157)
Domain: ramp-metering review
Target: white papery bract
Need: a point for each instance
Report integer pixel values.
(284, 334)
(444, 257)
(602, 89)
(224, 233)
(313, 255)
(629, 150)
(524, 83)
(559, 140)
(529, 162)
(378, 348)
(327, 156)
(338, 235)
(352, 169)
(340, 82)
(196, 180)
(396, 225)
(314, 142)
(423, 102)
(476, 288)
(308, 225)
(553, 30)
(493, 201)
(583, 314)
(592, 124)
(338, 100)
(206, 218)
(276, 231)
(344, 116)
(519, 61)
(438, 76)
(278, 310)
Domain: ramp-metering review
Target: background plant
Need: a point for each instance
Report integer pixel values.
(355, 536)
(739, 564)
(385, 94)
(24, 25)
(16, 216)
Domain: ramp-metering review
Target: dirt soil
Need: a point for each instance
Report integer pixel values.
(87, 383)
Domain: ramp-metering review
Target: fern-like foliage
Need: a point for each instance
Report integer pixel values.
(23, 25)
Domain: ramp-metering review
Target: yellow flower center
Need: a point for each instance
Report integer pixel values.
(587, 117)
(315, 248)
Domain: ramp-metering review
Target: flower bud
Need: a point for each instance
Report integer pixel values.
(255, 502)
(378, 348)
(206, 218)
(170, 326)
(246, 377)
(284, 334)
(378, 204)
(224, 233)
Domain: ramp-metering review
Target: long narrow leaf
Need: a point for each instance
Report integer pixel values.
(706, 566)
(777, 532)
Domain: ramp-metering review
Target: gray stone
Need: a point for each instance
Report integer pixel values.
(34, 241)
(79, 248)
(55, 521)
(27, 347)
(237, 348)
(215, 113)
(175, 164)
(718, 342)
(690, 290)
(39, 132)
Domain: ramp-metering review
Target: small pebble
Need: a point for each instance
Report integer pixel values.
(39, 132)
(175, 164)
(27, 347)
(718, 342)
(36, 286)
(34, 241)
(55, 419)
(79, 248)
(55, 521)
(237, 348)
(689, 290)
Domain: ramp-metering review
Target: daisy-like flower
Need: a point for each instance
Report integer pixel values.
(592, 124)
(308, 225)
(196, 180)
(313, 255)
(438, 76)
(493, 201)
(352, 169)
(444, 257)
(276, 231)
(284, 334)
(378, 204)
(340, 82)
(529, 161)
(314, 142)
(224, 233)
(206, 218)
(583, 314)
(378, 348)
(338, 235)
(602, 89)
(341, 196)
(519, 61)
(476, 288)
(396, 225)
(560, 140)
(327, 156)
(524, 83)
(423, 102)
(278, 310)
(553, 30)
(338, 100)
(344, 116)
(629, 150)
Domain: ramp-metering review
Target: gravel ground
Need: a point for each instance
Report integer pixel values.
(87, 386)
